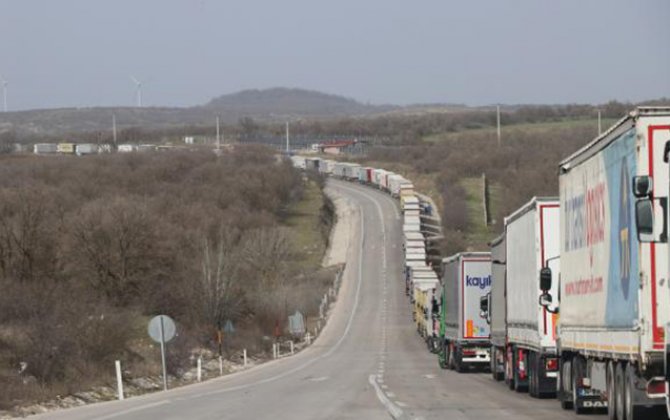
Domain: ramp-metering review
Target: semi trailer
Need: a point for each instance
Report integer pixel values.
(613, 301)
(464, 335)
(525, 332)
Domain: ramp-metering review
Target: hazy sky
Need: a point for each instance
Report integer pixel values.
(81, 52)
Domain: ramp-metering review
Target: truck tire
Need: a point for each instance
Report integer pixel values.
(611, 392)
(578, 368)
(565, 373)
(633, 412)
(443, 357)
(619, 390)
(459, 366)
(495, 367)
(450, 356)
(533, 375)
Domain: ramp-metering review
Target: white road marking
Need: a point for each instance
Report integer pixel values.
(395, 411)
(429, 376)
(401, 404)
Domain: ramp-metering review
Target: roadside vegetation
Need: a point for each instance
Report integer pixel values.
(91, 248)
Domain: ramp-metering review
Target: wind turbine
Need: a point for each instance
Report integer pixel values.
(138, 86)
(4, 92)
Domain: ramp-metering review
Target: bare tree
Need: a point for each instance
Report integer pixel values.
(220, 294)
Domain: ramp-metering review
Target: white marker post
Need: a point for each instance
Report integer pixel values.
(119, 380)
(220, 366)
(308, 338)
(290, 343)
(199, 369)
(244, 356)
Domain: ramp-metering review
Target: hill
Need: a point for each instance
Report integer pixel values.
(276, 104)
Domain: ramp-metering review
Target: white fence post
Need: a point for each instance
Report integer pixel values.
(119, 380)
(199, 369)
(244, 355)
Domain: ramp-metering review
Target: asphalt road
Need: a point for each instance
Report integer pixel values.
(368, 362)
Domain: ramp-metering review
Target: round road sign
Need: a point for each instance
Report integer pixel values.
(168, 328)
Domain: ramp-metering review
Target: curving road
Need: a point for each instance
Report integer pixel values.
(368, 362)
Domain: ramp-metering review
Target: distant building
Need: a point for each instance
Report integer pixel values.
(337, 147)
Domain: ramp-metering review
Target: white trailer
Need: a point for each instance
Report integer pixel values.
(411, 228)
(378, 176)
(532, 237)
(86, 149)
(126, 148)
(613, 298)
(45, 148)
(298, 162)
(466, 278)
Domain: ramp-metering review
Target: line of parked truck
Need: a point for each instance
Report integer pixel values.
(82, 149)
(572, 300)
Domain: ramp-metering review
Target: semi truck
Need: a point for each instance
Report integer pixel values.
(613, 300)
(528, 350)
(464, 335)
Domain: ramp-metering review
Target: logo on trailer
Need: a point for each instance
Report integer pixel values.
(481, 282)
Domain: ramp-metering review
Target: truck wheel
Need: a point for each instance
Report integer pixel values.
(533, 388)
(619, 391)
(450, 356)
(493, 364)
(633, 412)
(458, 360)
(578, 367)
(564, 382)
(443, 356)
(611, 392)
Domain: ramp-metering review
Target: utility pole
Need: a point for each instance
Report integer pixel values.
(498, 123)
(218, 137)
(600, 127)
(114, 128)
(287, 138)
(4, 93)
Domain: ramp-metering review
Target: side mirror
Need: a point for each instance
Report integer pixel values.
(545, 279)
(484, 304)
(644, 220)
(643, 186)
